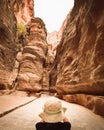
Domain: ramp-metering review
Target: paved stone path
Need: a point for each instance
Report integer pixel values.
(24, 118)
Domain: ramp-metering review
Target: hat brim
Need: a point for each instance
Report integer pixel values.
(52, 118)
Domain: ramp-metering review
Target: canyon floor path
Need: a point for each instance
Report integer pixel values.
(25, 116)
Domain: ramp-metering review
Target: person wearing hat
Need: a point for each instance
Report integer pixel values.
(53, 117)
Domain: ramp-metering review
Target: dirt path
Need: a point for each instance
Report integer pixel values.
(24, 118)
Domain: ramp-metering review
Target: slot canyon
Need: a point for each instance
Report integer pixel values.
(68, 64)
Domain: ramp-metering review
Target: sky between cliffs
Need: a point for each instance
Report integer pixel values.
(53, 12)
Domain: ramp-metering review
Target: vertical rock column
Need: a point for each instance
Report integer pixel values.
(30, 76)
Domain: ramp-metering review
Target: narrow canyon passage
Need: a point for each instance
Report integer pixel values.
(68, 63)
(25, 117)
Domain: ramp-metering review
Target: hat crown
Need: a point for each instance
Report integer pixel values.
(52, 107)
(53, 111)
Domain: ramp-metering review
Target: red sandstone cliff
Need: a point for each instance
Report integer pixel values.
(31, 72)
(24, 10)
(79, 66)
(24, 54)
(7, 44)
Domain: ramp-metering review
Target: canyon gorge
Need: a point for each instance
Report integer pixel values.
(68, 63)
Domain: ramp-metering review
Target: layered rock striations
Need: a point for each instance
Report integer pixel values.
(25, 59)
(24, 10)
(32, 64)
(34, 56)
(53, 40)
(12, 14)
(7, 44)
(79, 66)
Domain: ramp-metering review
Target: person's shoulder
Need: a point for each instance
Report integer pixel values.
(67, 123)
(40, 123)
(63, 123)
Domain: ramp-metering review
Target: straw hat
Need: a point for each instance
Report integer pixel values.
(52, 111)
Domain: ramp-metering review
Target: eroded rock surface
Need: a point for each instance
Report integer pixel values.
(33, 57)
(7, 43)
(79, 65)
(24, 10)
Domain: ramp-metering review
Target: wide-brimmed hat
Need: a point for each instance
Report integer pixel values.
(52, 111)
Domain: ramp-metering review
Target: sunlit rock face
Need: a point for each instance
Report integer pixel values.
(79, 63)
(24, 10)
(53, 40)
(63, 26)
(32, 64)
(7, 43)
(54, 37)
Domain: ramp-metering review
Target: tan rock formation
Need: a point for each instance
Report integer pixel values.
(7, 43)
(79, 65)
(53, 40)
(95, 103)
(24, 10)
(63, 26)
(33, 61)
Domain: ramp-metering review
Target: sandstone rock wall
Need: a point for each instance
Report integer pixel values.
(25, 59)
(34, 56)
(53, 40)
(32, 64)
(7, 43)
(24, 10)
(79, 65)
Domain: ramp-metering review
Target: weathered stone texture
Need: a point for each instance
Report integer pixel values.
(24, 10)
(53, 40)
(79, 65)
(33, 57)
(95, 103)
(7, 43)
